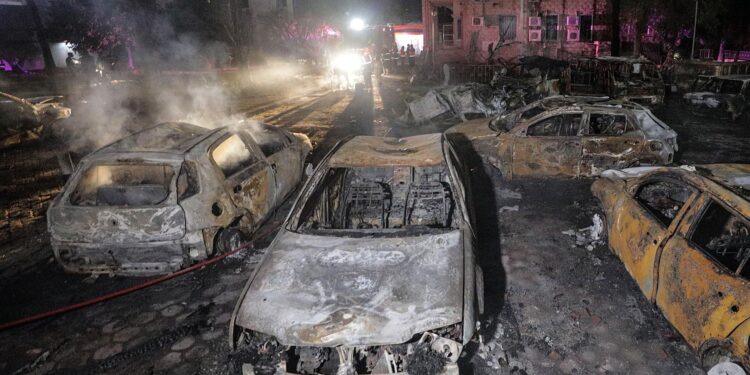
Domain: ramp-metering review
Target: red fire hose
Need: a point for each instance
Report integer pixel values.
(119, 293)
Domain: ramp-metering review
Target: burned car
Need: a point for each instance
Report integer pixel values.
(634, 78)
(725, 97)
(171, 195)
(374, 269)
(683, 234)
(18, 115)
(569, 137)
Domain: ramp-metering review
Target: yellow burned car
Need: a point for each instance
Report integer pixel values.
(569, 137)
(684, 236)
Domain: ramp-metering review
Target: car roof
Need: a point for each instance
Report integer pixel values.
(735, 77)
(736, 177)
(369, 151)
(170, 137)
(625, 59)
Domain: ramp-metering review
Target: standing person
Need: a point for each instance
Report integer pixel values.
(412, 55)
(402, 57)
(367, 69)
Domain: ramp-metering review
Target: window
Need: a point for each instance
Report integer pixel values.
(269, 139)
(586, 23)
(725, 237)
(123, 185)
(607, 124)
(550, 27)
(663, 199)
(187, 181)
(731, 87)
(531, 112)
(566, 125)
(507, 27)
(232, 155)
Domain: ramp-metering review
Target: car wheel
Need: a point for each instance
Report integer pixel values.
(227, 240)
(715, 355)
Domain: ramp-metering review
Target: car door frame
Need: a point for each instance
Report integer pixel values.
(286, 174)
(603, 144)
(642, 251)
(473, 276)
(537, 146)
(710, 282)
(241, 181)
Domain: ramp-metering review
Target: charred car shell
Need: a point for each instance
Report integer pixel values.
(683, 235)
(171, 195)
(721, 97)
(569, 137)
(374, 262)
(18, 115)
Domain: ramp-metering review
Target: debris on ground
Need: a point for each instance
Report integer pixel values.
(589, 237)
(425, 361)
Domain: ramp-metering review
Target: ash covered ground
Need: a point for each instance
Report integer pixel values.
(555, 303)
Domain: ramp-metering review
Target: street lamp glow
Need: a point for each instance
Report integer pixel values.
(357, 24)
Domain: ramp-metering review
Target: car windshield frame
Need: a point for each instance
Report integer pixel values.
(295, 224)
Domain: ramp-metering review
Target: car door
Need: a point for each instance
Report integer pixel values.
(247, 175)
(703, 272)
(611, 140)
(645, 221)
(284, 156)
(550, 146)
(473, 276)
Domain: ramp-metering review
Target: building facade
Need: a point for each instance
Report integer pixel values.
(465, 30)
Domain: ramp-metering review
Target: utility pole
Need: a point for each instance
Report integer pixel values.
(615, 24)
(695, 30)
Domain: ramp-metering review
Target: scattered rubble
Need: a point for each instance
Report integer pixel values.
(589, 237)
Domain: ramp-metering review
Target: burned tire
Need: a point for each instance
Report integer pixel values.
(227, 240)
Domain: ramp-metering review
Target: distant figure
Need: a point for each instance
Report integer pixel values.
(71, 62)
(402, 57)
(412, 55)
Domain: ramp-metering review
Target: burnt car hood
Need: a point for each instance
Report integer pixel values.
(329, 291)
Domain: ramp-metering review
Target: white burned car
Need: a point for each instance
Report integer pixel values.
(374, 269)
(171, 195)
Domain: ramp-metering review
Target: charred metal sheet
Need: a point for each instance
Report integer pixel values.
(422, 150)
(157, 201)
(19, 115)
(684, 236)
(344, 291)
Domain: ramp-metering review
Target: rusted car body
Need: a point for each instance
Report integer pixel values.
(569, 137)
(375, 261)
(171, 195)
(684, 236)
(18, 115)
(635, 79)
(725, 97)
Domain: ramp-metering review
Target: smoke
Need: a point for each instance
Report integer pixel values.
(180, 77)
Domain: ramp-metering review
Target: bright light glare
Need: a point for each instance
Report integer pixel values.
(357, 24)
(347, 62)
